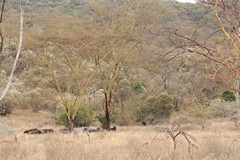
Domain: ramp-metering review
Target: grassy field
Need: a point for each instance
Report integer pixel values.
(220, 141)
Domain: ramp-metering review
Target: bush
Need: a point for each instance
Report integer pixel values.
(12, 47)
(101, 118)
(228, 96)
(200, 114)
(221, 108)
(6, 107)
(84, 117)
(137, 86)
(155, 108)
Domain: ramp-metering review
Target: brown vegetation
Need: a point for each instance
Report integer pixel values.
(122, 63)
(220, 141)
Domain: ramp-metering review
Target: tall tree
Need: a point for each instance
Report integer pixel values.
(71, 76)
(121, 27)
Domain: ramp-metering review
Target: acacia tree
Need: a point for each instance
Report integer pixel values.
(221, 46)
(70, 75)
(62, 55)
(121, 27)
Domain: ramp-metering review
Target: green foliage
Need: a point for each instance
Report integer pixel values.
(182, 75)
(155, 107)
(6, 107)
(101, 118)
(228, 96)
(84, 117)
(200, 114)
(200, 111)
(137, 86)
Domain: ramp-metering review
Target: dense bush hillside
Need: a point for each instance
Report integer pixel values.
(121, 59)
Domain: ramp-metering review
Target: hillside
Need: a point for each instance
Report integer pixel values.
(119, 79)
(113, 57)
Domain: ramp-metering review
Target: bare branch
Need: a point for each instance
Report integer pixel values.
(2, 10)
(174, 132)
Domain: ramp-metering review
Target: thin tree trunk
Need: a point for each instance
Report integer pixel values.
(237, 94)
(107, 114)
(174, 143)
(122, 106)
(70, 124)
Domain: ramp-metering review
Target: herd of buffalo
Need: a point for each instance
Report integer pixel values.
(66, 130)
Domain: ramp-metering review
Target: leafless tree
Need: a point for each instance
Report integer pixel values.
(174, 132)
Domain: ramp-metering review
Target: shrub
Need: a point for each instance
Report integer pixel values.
(10, 101)
(228, 96)
(101, 118)
(6, 107)
(200, 114)
(221, 108)
(155, 107)
(12, 47)
(34, 101)
(84, 117)
(235, 119)
(137, 86)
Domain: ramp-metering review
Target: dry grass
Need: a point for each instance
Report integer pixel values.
(218, 141)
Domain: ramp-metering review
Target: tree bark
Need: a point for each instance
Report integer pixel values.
(70, 124)
(237, 93)
(174, 143)
(107, 112)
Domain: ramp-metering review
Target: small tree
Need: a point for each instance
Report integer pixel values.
(71, 76)
(200, 114)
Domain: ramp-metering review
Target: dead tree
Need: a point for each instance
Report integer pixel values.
(174, 132)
